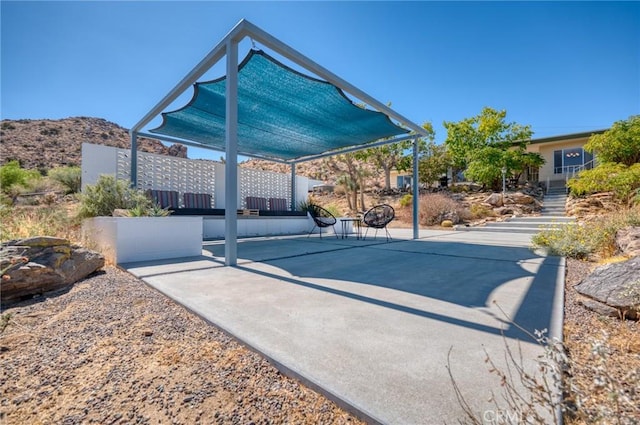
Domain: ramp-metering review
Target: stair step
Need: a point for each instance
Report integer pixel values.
(543, 219)
(533, 225)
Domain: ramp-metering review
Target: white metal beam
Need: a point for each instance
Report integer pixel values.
(205, 64)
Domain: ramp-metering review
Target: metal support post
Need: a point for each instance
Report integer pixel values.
(134, 159)
(293, 186)
(416, 191)
(231, 165)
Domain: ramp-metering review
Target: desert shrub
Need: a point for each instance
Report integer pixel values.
(480, 211)
(459, 188)
(109, 194)
(305, 205)
(333, 209)
(582, 240)
(69, 177)
(154, 210)
(12, 175)
(25, 222)
(535, 397)
(406, 201)
(435, 207)
(623, 181)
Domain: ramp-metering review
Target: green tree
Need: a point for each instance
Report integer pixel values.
(484, 144)
(621, 143)
(434, 162)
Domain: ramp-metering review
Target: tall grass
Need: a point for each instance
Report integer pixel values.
(28, 221)
(596, 237)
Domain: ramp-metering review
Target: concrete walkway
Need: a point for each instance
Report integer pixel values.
(370, 323)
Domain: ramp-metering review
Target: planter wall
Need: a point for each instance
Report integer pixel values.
(213, 227)
(131, 239)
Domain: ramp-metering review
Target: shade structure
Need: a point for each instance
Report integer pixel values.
(282, 114)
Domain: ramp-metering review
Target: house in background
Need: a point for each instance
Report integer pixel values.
(564, 156)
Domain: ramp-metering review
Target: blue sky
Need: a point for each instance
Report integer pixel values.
(561, 67)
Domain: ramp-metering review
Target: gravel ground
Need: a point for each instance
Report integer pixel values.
(607, 380)
(111, 350)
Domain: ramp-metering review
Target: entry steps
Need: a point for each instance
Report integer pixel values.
(530, 225)
(552, 216)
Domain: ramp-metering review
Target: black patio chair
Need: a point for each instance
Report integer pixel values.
(321, 218)
(377, 218)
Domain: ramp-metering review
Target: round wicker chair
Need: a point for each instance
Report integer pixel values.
(321, 218)
(377, 218)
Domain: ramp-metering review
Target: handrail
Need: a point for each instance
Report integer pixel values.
(576, 170)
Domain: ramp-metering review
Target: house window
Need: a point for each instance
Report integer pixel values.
(571, 160)
(404, 182)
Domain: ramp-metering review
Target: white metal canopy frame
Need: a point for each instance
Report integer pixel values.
(228, 47)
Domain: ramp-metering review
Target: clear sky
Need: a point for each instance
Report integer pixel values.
(561, 67)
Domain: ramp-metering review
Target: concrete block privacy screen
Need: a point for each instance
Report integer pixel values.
(183, 175)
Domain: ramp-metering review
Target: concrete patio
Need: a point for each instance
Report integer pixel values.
(370, 323)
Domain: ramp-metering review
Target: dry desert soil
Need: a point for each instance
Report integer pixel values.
(111, 350)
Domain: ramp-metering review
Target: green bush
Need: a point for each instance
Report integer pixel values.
(582, 240)
(12, 175)
(69, 177)
(623, 181)
(109, 194)
(406, 200)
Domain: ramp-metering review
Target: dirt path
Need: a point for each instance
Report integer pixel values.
(112, 351)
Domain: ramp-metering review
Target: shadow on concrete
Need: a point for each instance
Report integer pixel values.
(461, 273)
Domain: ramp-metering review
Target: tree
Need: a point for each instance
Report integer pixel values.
(387, 157)
(352, 175)
(395, 156)
(434, 162)
(619, 144)
(391, 156)
(484, 144)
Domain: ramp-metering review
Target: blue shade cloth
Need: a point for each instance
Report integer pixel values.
(282, 114)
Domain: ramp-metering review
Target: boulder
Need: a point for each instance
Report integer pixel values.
(613, 289)
(41, 264)
(495, 200)
(503, 210)
(628, 241)
(521, 198)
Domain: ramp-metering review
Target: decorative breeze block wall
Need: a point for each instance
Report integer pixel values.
(169, 173)
(265, 184)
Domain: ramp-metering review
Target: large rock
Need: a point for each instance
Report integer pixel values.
(521, 198)
(613, 289)
(628, 241)
(41, 264)
(495, 200)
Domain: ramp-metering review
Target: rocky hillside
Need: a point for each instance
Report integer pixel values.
(44, 144)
